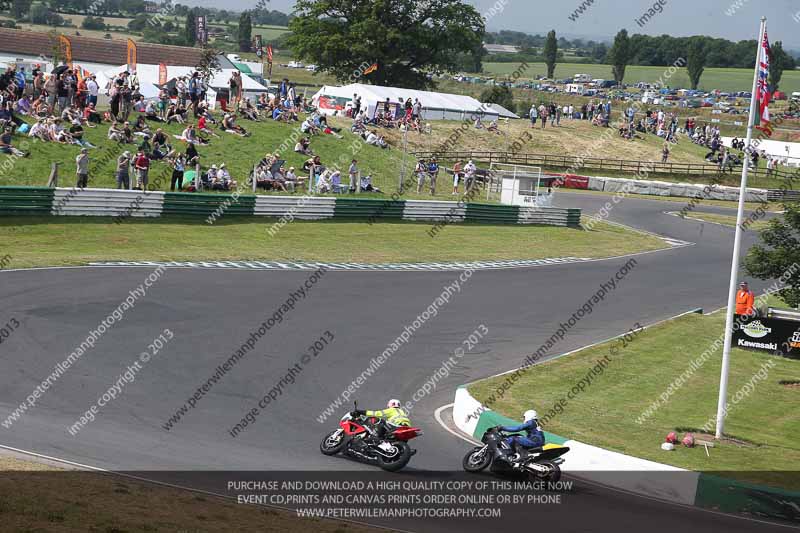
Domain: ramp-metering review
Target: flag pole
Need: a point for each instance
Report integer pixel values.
(737, 242)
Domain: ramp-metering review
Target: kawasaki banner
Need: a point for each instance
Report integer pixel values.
(769, 334)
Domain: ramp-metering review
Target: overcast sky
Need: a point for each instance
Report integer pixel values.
(605, 17)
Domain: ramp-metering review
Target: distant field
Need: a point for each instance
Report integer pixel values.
(725, 79)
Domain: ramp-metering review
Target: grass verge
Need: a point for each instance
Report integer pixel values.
(608, 412)
(73, 241)
(43, 498)
(729, 220)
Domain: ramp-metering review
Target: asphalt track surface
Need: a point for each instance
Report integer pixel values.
(212, 312)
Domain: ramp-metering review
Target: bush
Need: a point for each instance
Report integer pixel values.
(93, 23)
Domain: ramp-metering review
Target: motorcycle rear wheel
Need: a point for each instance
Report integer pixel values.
(553, 476)
(397, 462)
(328, 446)
(471, 465)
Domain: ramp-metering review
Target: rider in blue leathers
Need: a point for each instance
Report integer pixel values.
(534, 437)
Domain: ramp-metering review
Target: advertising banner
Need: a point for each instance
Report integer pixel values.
(768, 334)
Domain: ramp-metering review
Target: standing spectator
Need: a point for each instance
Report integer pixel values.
(178, 167)
(543, 115)
(82, 168)
(558, 115)
(62, 92)
(744, 300)
(416, 112)
(123, 173)
(194, 89)
(142, 166)
(422, 173)
(469, 175)
(93, 89)
(38, 83)
(534, 114)
(665, 153)
(456, 176)
(234, 83)
(356, 105)
(353, 171)
(433, 173)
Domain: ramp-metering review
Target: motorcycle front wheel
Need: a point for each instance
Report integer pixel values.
(398, 460)
(332, 443)
(474, 461)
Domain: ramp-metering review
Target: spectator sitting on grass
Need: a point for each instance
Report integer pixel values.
(308, 127)
(151, 111)
(223, 180)
(493, 127)
(229, 125)
(190, 135)
(23, 106)
(303, 146)
(91, 116)
(76, 131)
(145, 146)
(312, 162)
(324, 182)
(140, 106)
(191, 155)
(376, 140)
(59, 134)
(6, 147)
(175, 113)
(366, 184)
(202, 111)
(39, 130)
(140, 125)
(247, 110)
(202, 127)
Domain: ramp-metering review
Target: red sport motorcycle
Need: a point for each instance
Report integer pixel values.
(360, 438)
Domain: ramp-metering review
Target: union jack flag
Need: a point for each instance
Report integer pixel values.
(762, 92)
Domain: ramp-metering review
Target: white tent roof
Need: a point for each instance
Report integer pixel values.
(501, 111)
(372, 94)
(149, 74)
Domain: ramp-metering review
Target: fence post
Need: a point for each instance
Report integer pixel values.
(197, 178)
(52, 181)
(254, 177)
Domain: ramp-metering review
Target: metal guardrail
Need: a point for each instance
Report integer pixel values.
(595, 163)
(775, 195)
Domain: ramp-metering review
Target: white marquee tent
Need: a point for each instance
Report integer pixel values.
(148, 77)
(435, 105)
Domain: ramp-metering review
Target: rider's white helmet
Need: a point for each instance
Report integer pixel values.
(393, 403)
(531, 415)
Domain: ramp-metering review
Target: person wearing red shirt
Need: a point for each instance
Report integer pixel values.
(142, 166)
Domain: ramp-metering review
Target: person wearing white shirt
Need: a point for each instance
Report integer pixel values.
(94, 90)
(469, 171)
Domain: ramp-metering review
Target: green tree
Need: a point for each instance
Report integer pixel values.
(139, 23)
(551, 53)
(498, 94)
(245, 32)
(190, 28)
(20, 9)
(778, 251)
(696, 57)
(93, 23)
(406, 38)
(779, 62)
(620, 55)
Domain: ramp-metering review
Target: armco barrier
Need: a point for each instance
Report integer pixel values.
(368, 208)
(106, 202)
(25, 201)
(123, 203)
(185, 203)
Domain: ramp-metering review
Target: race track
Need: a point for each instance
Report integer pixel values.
(212, 312)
